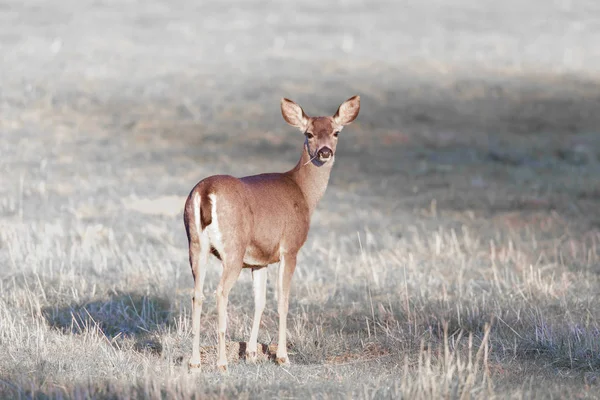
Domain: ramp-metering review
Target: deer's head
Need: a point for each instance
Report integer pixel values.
(321, 132)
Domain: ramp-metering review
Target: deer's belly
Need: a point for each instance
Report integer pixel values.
(257, 256)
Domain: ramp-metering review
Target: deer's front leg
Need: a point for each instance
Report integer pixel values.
(259, 283)
(286, 271)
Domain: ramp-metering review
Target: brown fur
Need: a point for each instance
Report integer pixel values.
(260, 220)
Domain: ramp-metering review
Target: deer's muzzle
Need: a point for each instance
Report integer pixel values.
(324, 153)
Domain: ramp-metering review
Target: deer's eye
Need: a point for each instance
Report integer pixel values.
(336, 133)
(309, 135)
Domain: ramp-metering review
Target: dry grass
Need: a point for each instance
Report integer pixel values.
(433, 314)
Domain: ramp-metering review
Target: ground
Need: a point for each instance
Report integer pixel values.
(455, 254)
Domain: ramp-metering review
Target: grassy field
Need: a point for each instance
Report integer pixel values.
(456, 253)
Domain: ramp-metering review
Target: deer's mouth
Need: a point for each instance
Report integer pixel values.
(323, 158)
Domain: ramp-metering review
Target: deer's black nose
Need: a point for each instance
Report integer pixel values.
(325, 152)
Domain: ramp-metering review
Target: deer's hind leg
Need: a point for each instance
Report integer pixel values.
(199, 248)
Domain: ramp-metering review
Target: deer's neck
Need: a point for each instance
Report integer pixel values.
(311, 179)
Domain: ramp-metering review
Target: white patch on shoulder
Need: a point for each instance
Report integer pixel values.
(214, 233)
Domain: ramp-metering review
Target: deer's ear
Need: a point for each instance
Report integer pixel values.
(348, 111)
(293, 114)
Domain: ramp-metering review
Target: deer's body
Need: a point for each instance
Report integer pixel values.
(260, 220)
(236, 207)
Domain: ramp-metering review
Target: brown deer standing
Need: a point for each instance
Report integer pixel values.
(259, 220)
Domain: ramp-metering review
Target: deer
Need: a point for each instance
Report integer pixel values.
(258, 220)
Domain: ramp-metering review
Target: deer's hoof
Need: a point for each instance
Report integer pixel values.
(194, 366)
(251, 357)
(284, 361)
(223, 369)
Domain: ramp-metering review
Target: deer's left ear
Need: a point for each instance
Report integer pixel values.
(348, 111)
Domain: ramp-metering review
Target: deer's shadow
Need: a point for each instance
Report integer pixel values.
(139, 318)
(122, 315)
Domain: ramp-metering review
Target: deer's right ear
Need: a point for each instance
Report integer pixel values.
(293, 114)
(348, 111)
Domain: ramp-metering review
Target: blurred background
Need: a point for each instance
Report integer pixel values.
(135, 98)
